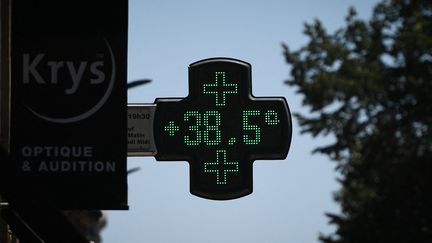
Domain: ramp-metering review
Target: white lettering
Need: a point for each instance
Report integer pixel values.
(65, 166)
(26, 151)
(88, 152)
(57, 151)
(54, 70)
(31, 69)
(43, 166)
(76, 71)
(77, 166)
(37, 150)
(65, 152)
(75, 75)
(100, 76)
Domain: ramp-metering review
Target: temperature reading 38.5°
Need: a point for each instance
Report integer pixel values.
(205, 128)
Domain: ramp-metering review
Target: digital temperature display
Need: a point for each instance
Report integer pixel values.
(220, 128)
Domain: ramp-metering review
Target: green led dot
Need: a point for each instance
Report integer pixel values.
(220, 88)
(271, 117)
(221, 167)
(255, 129)
(231, 141)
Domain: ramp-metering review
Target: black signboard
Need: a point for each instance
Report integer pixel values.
(220, 128)
(69, 101)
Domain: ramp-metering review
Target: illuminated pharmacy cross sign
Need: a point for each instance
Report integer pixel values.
(220, 128)
(220, 88)
(221, 166)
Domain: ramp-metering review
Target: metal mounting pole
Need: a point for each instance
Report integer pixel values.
(4, 73)
(4, 229)
(4, 97)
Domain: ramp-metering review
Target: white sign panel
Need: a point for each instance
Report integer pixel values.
(140, 129)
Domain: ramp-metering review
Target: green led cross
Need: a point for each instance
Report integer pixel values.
(221, 167)
(220, 89)
(171, 128)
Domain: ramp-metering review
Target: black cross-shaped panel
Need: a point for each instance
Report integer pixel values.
(220, 128)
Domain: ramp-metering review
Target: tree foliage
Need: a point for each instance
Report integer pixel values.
(370, 85)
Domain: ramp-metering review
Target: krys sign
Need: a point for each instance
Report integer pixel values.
(79, 80)
(68, 102)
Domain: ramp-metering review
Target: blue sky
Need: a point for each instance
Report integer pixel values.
(291, 196)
